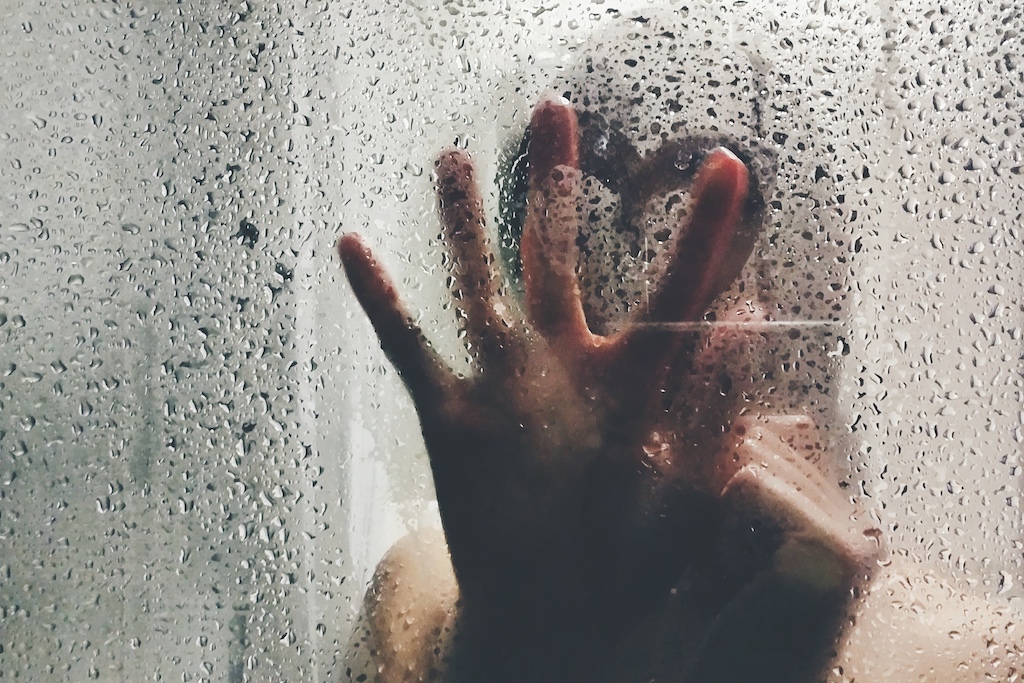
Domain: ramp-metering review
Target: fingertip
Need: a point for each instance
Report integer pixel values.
(724, 153)
(360, 267)
(552, 105)
(724, 174)
(350, 245)
(453, 164)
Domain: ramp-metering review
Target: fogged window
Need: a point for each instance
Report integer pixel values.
(203, 451)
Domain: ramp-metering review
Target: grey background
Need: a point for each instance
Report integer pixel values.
(203, 452)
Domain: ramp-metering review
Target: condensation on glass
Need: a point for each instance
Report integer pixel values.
(203, 452)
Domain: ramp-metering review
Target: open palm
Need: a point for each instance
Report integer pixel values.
(578, 482)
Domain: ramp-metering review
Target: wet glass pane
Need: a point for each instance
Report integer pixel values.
(204, 452)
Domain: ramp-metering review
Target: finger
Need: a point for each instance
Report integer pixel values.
(423, 372)
(694, 272)
(554, 138)
(693, 277)
(548, 249)
(474, 285)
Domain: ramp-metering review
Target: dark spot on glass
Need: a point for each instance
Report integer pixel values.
(248, 233)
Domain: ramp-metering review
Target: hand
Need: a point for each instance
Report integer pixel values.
(576, 484)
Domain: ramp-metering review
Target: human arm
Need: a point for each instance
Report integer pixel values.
(575, 488)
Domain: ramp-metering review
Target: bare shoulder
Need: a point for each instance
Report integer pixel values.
(912, 625)
(410, 609)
